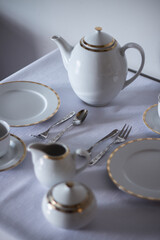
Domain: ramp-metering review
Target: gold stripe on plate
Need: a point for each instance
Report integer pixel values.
(119, 185)
(45, 119)
(144, 118)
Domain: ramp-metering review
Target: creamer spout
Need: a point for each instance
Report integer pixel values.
(37, 151)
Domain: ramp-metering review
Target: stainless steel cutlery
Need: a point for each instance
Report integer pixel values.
(111, 134)
(44, 135)
(77, 120)
(121, 137)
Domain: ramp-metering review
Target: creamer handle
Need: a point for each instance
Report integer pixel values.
(140, 49)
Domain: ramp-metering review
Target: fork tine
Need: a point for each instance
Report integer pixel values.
(128, 132)
(122, 130)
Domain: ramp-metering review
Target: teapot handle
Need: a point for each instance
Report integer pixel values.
(86, 155)
(140, 49)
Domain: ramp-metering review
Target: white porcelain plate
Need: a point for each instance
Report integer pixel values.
(151, 118)
(135, 168)
(15, 154)
(25, 103)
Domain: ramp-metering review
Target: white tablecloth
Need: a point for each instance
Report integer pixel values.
(119, 215)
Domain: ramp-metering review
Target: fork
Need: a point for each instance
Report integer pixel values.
(121, 137)
(89, 150)
(44, 134)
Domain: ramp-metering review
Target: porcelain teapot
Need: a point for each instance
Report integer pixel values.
(97, 66)
(54, 163)
(69, 205)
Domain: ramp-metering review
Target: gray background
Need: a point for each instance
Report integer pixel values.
(26, 28)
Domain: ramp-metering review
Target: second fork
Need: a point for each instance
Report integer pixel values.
(121, 137)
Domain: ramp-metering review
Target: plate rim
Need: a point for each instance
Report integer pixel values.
(22, 157)
(115, 181)
(144, 118)
(45, 119)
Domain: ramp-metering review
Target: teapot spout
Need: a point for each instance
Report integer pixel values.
(65, 49)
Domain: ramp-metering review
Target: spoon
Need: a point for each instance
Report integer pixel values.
(44, 135)
(77, 120)
(89, 150)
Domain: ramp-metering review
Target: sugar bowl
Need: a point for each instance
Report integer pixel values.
(69, 205)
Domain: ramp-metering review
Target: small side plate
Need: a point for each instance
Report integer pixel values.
(25, 103)
(151, 118)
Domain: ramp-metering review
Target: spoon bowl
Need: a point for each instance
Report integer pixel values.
(77, 120)
(80, 117)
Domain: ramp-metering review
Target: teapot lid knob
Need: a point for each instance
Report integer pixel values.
(70, 184)
(98, 28)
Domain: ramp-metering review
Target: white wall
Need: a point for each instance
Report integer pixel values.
(27, 26)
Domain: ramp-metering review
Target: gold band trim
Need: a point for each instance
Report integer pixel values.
(99, 46)
(144, 118)
(106, 47)
(2, 138)
(58, 157)
(58, 105)
(80, 207)
(22, 157)
(115, 182)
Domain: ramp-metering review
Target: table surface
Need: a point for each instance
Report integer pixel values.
(119, 215)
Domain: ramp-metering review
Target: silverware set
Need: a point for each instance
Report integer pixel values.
(78, 119)
(44, 135)
(111, 134)
(120, 138)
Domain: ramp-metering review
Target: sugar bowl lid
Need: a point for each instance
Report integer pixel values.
(98, 41)
(69, 197)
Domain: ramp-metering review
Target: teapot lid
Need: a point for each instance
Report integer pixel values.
(69, 197)
(98, 41)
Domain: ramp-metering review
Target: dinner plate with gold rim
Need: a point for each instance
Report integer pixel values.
(15, 154)
(151, 118)
(135, 168)
(25, 103)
